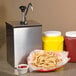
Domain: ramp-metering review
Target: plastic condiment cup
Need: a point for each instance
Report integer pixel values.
(22, 68)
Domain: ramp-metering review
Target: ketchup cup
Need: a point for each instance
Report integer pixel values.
(22, 68)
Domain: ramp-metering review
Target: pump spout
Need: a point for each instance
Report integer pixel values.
(29, 6)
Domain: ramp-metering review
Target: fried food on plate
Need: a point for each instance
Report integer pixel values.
(45, 60)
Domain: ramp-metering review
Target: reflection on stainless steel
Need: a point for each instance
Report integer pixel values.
(26, 40)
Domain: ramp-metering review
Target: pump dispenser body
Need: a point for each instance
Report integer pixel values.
(21, 40)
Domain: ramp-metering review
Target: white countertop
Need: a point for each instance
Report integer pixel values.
(6, 70)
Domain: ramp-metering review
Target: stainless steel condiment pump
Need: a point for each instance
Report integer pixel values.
(22, 37)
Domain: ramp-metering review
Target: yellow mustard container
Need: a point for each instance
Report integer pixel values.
(53, 41)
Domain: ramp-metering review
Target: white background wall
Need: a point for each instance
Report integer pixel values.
(52, 14)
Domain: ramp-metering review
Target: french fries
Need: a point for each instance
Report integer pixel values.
(45, 60)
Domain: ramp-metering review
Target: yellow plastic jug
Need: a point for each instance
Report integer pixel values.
(53, 41)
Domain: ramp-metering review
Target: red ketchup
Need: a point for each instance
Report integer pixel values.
(70, 44)
(22, 66)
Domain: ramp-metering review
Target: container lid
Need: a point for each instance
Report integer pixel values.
(52, 33)
(16, 24)
(71, 34)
